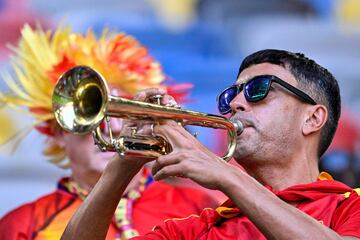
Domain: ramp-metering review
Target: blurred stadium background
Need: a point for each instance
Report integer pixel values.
(197, 41)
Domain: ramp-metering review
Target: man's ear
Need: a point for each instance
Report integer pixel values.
(315, 118)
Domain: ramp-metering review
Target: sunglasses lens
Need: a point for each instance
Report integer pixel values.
(225, 98)
(256, 89)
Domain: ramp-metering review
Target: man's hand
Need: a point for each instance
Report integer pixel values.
(144, 127)
(189, 157)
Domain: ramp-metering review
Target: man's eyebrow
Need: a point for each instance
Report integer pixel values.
(242, 81)
(245, 79)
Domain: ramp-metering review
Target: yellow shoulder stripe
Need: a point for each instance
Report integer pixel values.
(357, 190)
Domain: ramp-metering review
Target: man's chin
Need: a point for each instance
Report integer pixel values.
(242, 152)
(97, 165)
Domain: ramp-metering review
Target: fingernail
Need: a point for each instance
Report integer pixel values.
(141, 95)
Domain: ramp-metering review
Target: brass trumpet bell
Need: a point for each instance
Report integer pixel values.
(81, 102)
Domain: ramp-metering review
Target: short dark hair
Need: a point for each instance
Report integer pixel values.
(312, 78)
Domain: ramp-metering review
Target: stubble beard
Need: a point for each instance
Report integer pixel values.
(253, 150)
(246, 152)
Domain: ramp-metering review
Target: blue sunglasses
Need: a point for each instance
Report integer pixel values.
(256, 89)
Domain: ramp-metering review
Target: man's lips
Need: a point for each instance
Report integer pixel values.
(246, 122)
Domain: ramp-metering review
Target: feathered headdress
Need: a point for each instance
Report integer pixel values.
(41, 57)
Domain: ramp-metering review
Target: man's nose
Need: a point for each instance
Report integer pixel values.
(239, 103)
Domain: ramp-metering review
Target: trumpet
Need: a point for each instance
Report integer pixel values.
(81, 103)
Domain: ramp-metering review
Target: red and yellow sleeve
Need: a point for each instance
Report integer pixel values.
(17, 224)
(346, 219)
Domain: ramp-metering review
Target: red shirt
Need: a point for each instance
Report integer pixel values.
(330, 202)
(47, 217)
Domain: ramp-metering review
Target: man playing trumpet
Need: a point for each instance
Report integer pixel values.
(289, 106)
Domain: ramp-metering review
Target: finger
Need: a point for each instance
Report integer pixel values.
(147, 93)
(168, 100)
(169, 171)
(178, 137)
(163, 161)
(173, 132)
(127, 125)
(146, 128)
(115, 126)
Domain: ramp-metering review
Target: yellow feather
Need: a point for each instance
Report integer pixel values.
(7, 127)
(30, 87)
(33, 46)
(14, 87)
(118, 57)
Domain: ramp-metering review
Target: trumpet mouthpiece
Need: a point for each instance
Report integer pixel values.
(239, 126)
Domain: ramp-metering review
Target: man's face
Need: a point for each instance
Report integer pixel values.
(272, 125)
(87, 162)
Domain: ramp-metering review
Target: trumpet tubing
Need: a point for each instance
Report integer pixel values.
(81, 102)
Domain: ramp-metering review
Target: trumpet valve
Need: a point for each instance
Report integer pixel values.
(133, 131)
(156, 99)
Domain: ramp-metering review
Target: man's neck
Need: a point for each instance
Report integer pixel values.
(281, 177)
(86, 182)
